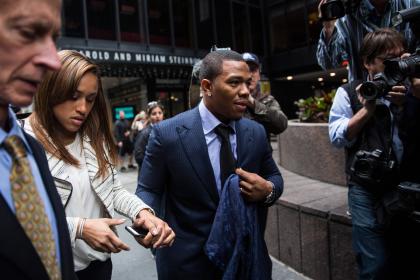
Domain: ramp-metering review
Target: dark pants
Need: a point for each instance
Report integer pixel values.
(382, 252)
(367, 235)
(96, 270)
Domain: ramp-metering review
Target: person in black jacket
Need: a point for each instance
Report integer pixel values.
(154, 115)
(124, 143)
(27, 192)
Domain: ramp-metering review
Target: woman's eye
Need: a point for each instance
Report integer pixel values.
(90, 99)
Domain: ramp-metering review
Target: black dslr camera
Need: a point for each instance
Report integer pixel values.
(409, 198)
(334, 9)
(372, 167)
(215, 48)
(396, 71)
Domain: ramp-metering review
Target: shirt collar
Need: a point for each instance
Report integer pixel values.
(15, 129)
(209, 121)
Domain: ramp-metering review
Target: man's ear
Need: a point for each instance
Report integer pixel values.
(206, 87)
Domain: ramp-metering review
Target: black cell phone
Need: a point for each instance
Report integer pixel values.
(137, 232)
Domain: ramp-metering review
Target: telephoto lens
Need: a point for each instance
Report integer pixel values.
(374, 89)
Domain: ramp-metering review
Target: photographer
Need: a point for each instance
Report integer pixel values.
(340, 39)
(373, 133)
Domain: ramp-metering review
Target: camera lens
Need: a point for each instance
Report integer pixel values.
(332, 9)
(369, 90)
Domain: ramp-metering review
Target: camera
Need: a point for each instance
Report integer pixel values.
(376, 88)
(334, 9)
(412, 16)
(372, 167)
(410, 198)
(396, 71)
(215, 48)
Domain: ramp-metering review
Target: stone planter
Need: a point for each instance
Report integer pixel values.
(305, 148)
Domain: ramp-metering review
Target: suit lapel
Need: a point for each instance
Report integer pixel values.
(194, 143)
(54, 198)
(16, 246)
(244, 138)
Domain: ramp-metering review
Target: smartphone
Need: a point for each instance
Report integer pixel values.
(137, 232)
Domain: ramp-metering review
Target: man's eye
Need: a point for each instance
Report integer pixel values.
(28, 34)
(234, 83)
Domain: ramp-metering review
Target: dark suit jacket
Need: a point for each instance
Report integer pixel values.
(18, 258)
(177, 163)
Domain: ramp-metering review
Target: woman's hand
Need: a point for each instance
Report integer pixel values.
(98, 235)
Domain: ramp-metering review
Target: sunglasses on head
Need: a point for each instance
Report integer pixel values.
(151, 104)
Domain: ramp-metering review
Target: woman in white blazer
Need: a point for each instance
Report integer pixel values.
(71, 119)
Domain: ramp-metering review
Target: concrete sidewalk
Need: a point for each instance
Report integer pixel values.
(138, 264)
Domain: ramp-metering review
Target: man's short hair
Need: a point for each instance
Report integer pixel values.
(211, 65)
(379, 42)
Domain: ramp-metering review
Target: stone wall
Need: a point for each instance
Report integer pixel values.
(305, 148)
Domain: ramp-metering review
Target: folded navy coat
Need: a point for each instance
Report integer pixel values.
(235, 244)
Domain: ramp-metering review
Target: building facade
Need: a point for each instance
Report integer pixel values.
(146, 48)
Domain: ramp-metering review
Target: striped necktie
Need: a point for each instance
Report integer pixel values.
(30, 210)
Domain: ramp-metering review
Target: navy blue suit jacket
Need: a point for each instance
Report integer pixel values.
(18, 258)
(177, 165)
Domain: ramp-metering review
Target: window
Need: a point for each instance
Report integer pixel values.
(296, 25)
(223, 24)
(256, 30)
(278, 29)
(182, 11)
(241, 28)
(159, 28)
(73, 19)
(314, 23)
(130, 28)
(97, 12)
(254, 2)
(204, 24)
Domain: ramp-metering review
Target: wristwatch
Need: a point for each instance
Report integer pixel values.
(269, 197)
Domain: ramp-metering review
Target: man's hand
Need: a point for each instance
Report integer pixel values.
(159, 235)
(98, 235)
(358, 121)
(369, 105)
(251, 102)
(415, 86)
(253, 187)
(397, 95)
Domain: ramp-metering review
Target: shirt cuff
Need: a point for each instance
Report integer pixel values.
(150, 210)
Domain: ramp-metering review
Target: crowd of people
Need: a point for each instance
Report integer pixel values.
(206, 177)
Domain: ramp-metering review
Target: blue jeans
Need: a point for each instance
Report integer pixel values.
(367, 235)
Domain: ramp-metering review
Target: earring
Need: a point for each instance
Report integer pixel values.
(209, 94)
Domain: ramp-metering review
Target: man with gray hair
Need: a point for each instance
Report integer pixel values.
(34, 240)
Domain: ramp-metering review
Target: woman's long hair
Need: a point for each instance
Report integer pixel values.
(60, 86)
